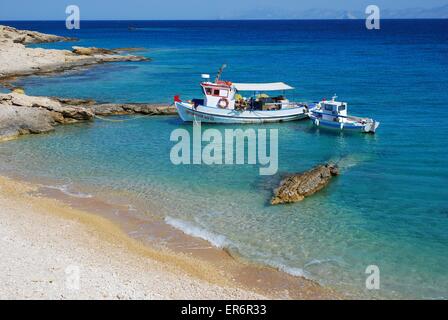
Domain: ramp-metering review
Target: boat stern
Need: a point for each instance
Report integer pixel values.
(371, 126)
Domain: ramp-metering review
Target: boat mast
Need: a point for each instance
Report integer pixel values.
(218, 76)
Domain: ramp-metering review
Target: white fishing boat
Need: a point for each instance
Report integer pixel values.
(224, 103)
(333, 114)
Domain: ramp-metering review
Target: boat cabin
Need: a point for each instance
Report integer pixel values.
(219, 95)
(333, 110)
(227, 95)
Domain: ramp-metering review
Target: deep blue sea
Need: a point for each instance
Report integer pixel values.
(389, 206)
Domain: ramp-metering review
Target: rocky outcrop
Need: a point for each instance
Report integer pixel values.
(10, 34)
(94, 51)
(18, 60)
(91, 51)
(62, 113)
(15, 121)
(109, 109)
(296, 187)
(75, 101)
(21, 114)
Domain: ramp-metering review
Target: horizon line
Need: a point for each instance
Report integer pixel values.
(247, 19)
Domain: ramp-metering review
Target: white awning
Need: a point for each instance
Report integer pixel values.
(276, 86)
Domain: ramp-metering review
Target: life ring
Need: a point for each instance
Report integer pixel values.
(223, 103)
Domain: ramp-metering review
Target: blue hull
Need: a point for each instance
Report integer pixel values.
(345, 126)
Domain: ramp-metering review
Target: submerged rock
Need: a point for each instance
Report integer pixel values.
(106, 55)
(18, 90)
(296, 187)
(91, 51)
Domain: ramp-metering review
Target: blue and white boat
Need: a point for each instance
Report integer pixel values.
(333, 115)
(224, 103)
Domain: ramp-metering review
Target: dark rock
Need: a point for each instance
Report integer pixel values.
(296, 187)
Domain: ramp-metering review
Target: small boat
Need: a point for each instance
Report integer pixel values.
(333, 114)
(223, 103)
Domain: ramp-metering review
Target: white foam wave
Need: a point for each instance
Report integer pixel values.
(221, 241)
(347, 162)
(296, 272)
(186, 227)
(66, 190)
(320, 261)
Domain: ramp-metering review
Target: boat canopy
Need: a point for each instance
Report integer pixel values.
(276, 86)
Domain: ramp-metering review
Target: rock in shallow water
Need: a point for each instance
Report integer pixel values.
(296, 187)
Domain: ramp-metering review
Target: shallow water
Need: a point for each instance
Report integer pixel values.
(387, 208)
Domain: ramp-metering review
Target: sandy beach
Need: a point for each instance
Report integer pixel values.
(45, 234)
(41, 238)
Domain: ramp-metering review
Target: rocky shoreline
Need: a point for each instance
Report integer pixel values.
(22, 114)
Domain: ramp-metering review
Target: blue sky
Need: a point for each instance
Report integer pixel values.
(189, 9)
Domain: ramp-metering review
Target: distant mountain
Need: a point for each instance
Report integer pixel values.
(277, 13)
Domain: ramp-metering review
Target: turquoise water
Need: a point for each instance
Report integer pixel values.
(388, 207)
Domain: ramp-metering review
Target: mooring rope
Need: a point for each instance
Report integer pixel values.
(196, 122)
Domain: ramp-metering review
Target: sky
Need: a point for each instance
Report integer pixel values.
(190, 9)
